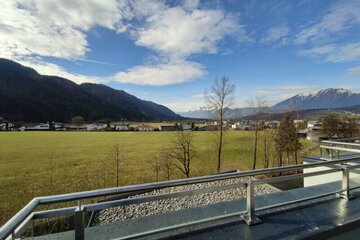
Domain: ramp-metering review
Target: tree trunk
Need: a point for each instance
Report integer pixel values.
(280, 162)
(266, 155)
(255, 149)
(220, 144)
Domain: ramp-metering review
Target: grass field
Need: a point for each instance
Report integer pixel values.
(44, 163)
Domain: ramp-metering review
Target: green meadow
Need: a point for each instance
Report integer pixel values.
(44, 163)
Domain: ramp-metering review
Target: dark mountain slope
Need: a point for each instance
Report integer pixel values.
(28, 96)
(129, 104)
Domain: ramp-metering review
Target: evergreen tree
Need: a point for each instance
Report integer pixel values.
(287, 141)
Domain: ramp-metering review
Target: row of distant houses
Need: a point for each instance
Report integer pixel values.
(251, 125)
(311, 130)
(118, 127)
(6, 125)
(123, 126)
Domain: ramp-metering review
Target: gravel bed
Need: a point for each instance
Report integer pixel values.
(133, 211)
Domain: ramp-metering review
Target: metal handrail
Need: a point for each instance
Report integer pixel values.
(341, 149)
(342, 139)
(8, 228)
(342, 143)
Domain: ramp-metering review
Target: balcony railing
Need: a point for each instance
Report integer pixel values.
(341, 155)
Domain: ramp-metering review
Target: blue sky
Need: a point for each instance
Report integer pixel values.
(170, 52)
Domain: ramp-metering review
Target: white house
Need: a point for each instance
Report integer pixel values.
(58, 126)
(95, 127)
(145, 128)
(314, 125)
(41, 126)
(314, 133)
(186, 126)
(122, 126)
(240, 126)
(6, 126)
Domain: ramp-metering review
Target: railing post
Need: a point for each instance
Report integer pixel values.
(79, 223)
(331, 152)
(345, 183)
(250, 217)
(321, 153)
(32, 228)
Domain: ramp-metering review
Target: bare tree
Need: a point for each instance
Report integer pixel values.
(103, 168)
(156, 167)
(349, 127)
(220, 98)
(331, 125)
(117, 155)
(257, 106)
(162, 164)
(182, 151)
(166, 164)
(51, 182)
(267, 145)
(334, 125)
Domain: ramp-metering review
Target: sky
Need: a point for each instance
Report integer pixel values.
(170, 52)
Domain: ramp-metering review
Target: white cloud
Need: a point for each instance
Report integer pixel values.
(191, 4)
(341, 16)
(174, 34)
(334, 53)
(191, 103)
(178, 33)
(354, 71)
(33, 30)
(52, 28)
(275, 33)
(52, 69)
(161, 74)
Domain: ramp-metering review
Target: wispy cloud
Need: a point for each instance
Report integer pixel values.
(161, 74)
(354, 71)
(341, 16)
(276, 33)
(96, 62)
(335, 53)
(194, 102)
(47, 68)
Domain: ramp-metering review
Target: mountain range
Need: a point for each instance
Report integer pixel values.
(25, 95)
(330, 98)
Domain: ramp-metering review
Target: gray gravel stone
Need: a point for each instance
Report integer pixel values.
(133, 211)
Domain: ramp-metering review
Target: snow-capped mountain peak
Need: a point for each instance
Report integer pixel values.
(327, 98)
